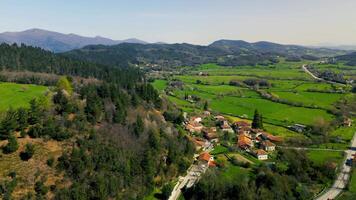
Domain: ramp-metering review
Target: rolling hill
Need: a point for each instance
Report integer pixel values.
(57, 42)
(222, 52)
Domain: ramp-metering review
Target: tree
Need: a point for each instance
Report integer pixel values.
(62, 102)
(138, 126)
(64, 84)
(22, 118)
(206, 106)
(167, 190)
(35, 112)
(8, 124)
(257, 120)
(11, 146)
(28, 152)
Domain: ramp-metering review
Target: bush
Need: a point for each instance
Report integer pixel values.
(40, 188)
(11, 146)
(167, 190)
(28, 153)
(50, 161)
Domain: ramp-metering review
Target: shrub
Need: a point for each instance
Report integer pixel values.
(28, 153)
(50, 161)
(40, 188)
(11, 146)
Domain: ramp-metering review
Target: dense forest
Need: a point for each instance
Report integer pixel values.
(223, 52)
(120, 145)
(27, 58)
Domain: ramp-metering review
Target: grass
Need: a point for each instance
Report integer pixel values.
(219, 150)
(352, 185)
(320, 157)
(234, 172)
(345, 133)
(18, 95)
(323, 100)
(159, 85)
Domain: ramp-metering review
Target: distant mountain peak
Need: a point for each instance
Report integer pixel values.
(58, 42)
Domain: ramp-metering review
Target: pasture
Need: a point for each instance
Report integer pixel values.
(18, 95)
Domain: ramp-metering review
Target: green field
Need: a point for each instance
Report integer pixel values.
(300, 99)
(319, 157)
(18, 95)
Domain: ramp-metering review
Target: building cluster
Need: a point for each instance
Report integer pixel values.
(254, 141)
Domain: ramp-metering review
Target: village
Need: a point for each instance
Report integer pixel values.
(208, 129)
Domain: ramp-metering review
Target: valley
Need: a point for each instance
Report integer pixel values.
(284, 94)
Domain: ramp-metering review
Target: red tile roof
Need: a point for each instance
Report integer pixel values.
(244, 141)
(260, 152)
(268, 143)
(205, 156)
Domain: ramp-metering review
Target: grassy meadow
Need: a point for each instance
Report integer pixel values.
(301, 99)
(18, 95)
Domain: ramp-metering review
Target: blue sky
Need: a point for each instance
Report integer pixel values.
(306, 22)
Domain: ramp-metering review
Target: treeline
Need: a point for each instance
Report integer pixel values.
(288, 178)
(26, 58)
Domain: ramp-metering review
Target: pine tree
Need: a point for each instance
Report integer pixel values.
(8, 124)
(257, 120)
(12, 145)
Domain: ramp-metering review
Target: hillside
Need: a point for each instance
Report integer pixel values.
(57, 42)
(223, 52)
(349, 59)
(99, 132)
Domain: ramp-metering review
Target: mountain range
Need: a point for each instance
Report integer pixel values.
(222, 52)
(133, 51)
(58, 42)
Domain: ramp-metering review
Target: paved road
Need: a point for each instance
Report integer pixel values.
(193, 175)
(311, 74)
(304, 67)
(342, 178)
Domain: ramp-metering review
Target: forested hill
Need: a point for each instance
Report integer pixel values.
(27, 58)
(106, 139)
(349, 59)
(223, 52)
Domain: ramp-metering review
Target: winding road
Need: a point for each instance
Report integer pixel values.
(343, 176)
(304, 67)
(194, 173)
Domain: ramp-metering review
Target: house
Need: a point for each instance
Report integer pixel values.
(206, 113)
(194, 127)
(206, 159)
(245, 129)
(298, 128)
(261, 154)
(225, 127)
(268, 145)
(199, 143)
(219, 118)
(210, 133)
(347, 122)
(196, 119)
(267, 136)
(244, 142)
